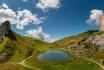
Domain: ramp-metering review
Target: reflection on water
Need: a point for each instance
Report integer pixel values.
(53, 56)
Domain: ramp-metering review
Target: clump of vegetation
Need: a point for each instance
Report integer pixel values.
(88, 45)
(99, 33)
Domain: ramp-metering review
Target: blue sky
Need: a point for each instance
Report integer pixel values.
(68, 19)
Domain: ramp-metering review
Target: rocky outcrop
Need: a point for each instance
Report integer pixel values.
(97, 41)
(4, 29)
(91, 44)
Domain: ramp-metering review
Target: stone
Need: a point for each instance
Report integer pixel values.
(4, 29)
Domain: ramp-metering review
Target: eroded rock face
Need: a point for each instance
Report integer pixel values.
(4, 29)
(93, 43)
(98, 41)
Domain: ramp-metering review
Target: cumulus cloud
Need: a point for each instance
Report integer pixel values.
(25, 1)
(95, 16)
(39, 34)
(50, 39)
(20, 18)
(26, 17)
(4, 5)
(48, 4)
(7, 14)
(23, 18)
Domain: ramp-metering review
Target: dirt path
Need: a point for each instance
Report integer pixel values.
(25, 65)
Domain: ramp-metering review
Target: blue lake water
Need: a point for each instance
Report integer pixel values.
(53, 56)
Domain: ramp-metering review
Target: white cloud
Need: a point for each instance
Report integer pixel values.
(20, 18)
(4, 5)
(7, 14)
(23, 18)
(49, 39)
(39, 34)
(94, 16)
(48, 4)
(25, 1)
(26, 17)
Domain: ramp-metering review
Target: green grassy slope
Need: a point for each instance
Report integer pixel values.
(75, 63)
(13, 67)
(89, 53)
(74, 39)
(25, 46)
(25, 51)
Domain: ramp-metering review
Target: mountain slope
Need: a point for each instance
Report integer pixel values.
(21, 53)
(89, 45)
(74, 39)
(91, 48)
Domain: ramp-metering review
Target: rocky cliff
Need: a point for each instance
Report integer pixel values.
(4, 29)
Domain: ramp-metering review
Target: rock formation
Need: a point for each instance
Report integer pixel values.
(4, 29)
(91, 44)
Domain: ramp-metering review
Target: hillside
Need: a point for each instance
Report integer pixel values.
(88, 45)
(74, 39)
(21, 53)
(91, 48)
(27, 49)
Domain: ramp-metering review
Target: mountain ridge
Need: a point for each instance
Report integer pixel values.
(74, 38)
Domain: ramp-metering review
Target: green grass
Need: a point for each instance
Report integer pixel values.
(99, 33)
(74, 64)
(13, 67)
(26, 48)
(74, 39)
(4, 43)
